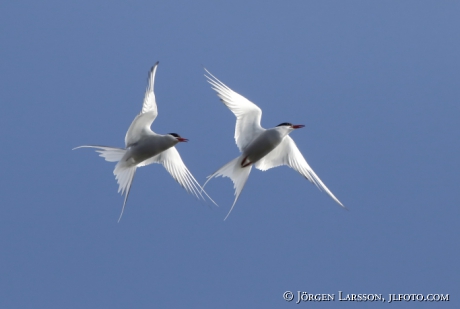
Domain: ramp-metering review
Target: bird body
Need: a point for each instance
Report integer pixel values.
(263, 148)
(148, 146)
(263, 144)
(144, 147)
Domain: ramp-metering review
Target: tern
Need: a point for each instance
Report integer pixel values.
(144, 147)
(263, 148)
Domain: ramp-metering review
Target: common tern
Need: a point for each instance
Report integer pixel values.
(263, 148)
(144, 147)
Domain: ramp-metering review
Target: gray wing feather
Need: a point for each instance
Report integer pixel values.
(287, 153)
(149, 112)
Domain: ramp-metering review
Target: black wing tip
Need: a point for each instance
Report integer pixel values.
(153, 67)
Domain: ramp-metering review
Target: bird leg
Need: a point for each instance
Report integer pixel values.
(245, 164)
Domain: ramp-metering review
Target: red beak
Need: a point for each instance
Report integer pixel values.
(181, 139)
(297, 126)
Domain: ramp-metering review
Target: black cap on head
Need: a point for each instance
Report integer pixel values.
(285, 124)
(174, 134)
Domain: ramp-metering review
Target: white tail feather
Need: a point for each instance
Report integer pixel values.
(124, 172)
(124, 175)
(110, 154)
(238, 174)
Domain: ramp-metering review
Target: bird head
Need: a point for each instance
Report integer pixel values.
(178, 137)
(290, 125)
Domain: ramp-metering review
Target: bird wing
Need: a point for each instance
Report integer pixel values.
(247, 114)
(149, 112)
(172, 162)
(287, 153)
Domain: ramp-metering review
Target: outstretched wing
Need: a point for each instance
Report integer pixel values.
(247, 114)
(172, 162)
(149, 112)
(287, 153)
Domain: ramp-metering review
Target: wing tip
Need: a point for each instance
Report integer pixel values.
(152, 70)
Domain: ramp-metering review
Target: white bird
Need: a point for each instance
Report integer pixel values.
(144, 147)
(265, 148)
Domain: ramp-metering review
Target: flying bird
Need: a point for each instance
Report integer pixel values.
(144, 147)
(263, 148)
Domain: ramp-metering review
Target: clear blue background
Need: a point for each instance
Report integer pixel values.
(375, 82)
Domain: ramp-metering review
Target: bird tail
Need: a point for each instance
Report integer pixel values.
(238, 174)
(110, 154)
(124, 171)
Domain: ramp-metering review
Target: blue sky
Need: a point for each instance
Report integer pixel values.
(375, 83)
